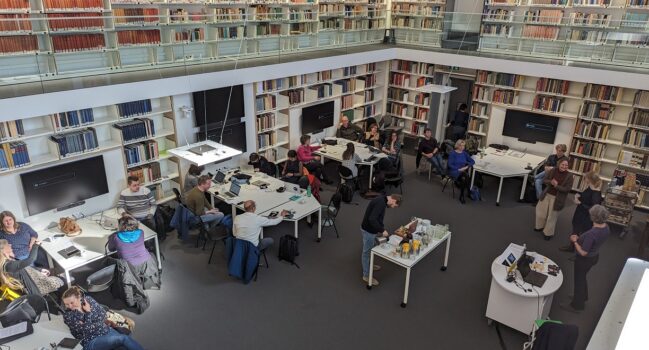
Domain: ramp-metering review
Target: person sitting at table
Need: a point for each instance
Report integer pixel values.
(87, 322)
(197, 203)
(351, 159)
(139, 202)
(310, 161)
(292, 168)
(585, 200)
(373, 137)
(587, 248)
(193, 173)
(392, 147)
(459, 168)
(19, 275)
(261, 164)
(128, 242)
(247, 226)
(558, 183)
(429, 149)
(550, 163)
(19, 234)
(349, 131)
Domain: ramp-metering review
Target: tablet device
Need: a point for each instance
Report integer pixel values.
(68, 343)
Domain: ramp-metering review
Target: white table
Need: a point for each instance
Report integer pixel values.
(268, 200)
(91, 242)
(622, 325)
(387, 252)
(505, 164)
(45, 332)
(518, 304)
(362, 150)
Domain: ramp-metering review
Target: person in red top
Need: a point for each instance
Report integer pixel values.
(310, 161)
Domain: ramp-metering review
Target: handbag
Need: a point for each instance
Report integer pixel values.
(119, 322)
(69, 227)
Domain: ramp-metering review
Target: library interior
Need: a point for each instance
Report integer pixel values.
(193, 160)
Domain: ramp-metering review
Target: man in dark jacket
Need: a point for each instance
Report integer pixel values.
(349, 131)
(372, 226)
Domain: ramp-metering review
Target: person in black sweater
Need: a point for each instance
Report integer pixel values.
(429, 149)
(460, 122)
(590, 196)
(292, 168)
(260, 163)
(372, 226)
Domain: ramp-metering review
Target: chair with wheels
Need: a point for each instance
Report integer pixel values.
(396, 179)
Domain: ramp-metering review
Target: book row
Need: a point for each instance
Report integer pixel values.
(548, 103)
(602, 92)
(582, 165)
(636, 138)
(266, 121)
(266, 102)
(69, 21)
(592, 129)
(15, 23)
(413, 67)
(596, 110)
(136, 37)
(76, 142)
(554, 86)
(74, 4)
(639, 118)
(72, 119)
(136, 16)
(78, 42)
(147, 173)
(16, 44)
(11, 129)
(13, 155)
(634, 159)
(138, 128)
(588, 148)
(141, 152)
(134, 108)
(14, 4)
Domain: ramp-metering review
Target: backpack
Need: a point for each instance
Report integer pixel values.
(288, 249)
(474, 194)
(347, 192)
(530, 194)
(378, 183)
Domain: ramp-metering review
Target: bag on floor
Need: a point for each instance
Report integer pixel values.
(530, 194)
(119, 322)
(347, 192)
(474, 194)
(288, 249)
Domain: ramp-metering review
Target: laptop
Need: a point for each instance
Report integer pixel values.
(219, 177)
(202, 149)
(234, 190)
(536, 279)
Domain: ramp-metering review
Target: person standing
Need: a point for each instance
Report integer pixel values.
(587, 248)
(429, 149)
(247, 226)
(349, 131)
(559, 183)
(197, 203)
(585, 200)
(550, 163)
(372, 226)
(460, 122)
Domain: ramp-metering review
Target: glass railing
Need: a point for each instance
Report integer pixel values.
(41, 53)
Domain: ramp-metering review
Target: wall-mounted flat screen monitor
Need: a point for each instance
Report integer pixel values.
(318, 117)
(530, 127)
(210, 106)
(64, 185)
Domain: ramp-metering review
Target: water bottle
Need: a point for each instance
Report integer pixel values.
(308, 191)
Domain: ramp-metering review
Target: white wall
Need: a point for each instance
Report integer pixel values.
(14, 200)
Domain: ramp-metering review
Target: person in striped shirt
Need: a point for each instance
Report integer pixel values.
(137, 201)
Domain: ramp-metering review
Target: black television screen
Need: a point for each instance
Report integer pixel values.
(64, 184)
(317, 118)
(234, 136)
(210, 105)
(530, 127)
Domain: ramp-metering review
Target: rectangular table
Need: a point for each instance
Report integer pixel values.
(362, 150)
(622, 325)
(505, 164)
(45, 332)
(268, 200)
(386, 251)
(91, 242)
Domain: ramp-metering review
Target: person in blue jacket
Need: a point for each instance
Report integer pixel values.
(459, 167)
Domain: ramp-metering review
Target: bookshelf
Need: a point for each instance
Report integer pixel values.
(75, 36)
(143, 130)
(609, 30)
(419, 22)
(359, 88)
(409, 108)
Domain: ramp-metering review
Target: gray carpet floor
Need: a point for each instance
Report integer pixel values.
(324, 304)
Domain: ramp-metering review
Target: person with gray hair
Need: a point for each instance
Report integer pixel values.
(247, 226)
(128, 241)
(587, 248)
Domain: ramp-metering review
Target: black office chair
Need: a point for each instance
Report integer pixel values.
(220, 233)
(396, 179)
(330, 212)
(346, 174)
(15, 312)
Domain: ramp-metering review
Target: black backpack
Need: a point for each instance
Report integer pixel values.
(347, 192)
(288, 249)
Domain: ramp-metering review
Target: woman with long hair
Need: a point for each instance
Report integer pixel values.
(392, 147)
(350, 159)
(19, 234)
(19, 275)
(87, 322)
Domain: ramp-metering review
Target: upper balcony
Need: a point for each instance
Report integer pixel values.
(54, 45)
